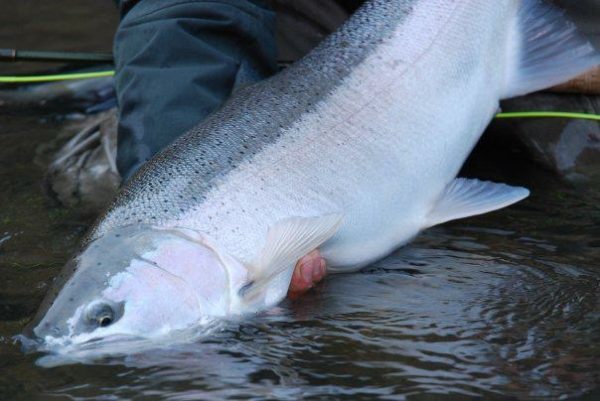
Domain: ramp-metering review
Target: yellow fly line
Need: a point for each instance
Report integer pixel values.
(549, 114)
(57, 77)
(102, 74)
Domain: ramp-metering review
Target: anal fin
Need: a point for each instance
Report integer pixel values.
(467, 197)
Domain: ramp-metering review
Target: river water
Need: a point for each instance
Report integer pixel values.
(501, 306)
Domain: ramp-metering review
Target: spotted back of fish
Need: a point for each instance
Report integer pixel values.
(178, 178)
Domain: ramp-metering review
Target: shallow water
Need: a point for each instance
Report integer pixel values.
(500, 306)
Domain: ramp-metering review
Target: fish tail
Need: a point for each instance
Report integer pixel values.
(544, 49)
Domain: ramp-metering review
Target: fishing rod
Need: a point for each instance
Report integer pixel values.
(73, 57)
(59, 57)
(14, 55)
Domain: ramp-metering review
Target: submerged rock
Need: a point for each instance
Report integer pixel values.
(569, 147)
(83, 173)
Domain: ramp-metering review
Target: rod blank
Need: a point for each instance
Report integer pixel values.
(61, 57)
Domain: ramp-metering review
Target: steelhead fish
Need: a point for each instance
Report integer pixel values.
(353, 150)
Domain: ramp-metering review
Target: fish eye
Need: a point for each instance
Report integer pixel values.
(102, 313)
(105, 320)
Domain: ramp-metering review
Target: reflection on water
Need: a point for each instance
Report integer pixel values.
(503, 305)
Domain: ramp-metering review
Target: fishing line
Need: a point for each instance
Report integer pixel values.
(109, 73)
(549, 114)
(55, 77)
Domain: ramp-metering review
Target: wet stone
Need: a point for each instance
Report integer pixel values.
(82, 175)
(568, 147)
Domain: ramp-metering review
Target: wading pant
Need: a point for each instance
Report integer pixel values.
(179, 60)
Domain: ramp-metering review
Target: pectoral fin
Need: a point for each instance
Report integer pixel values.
(465, 197)
(287, 242)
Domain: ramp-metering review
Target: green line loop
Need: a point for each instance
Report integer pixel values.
(102, 74)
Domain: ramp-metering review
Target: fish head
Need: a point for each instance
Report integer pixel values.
(137, 282)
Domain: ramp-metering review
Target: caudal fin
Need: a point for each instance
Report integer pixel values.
(545, 49)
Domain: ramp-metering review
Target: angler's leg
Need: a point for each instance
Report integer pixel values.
(176, 62)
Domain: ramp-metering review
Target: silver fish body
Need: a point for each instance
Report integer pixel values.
(374, 124)
(354, 150)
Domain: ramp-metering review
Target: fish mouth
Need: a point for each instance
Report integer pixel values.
(60, 352)
(63, 345)
(66, 351)
(28, 345)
